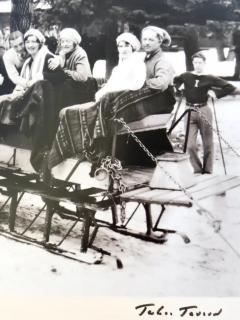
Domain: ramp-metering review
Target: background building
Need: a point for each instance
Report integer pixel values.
(5, 9)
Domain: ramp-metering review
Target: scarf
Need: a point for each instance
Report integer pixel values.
(33, 67)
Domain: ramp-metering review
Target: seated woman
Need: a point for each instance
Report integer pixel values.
(130, 73)
(86, 130)
(81, 125)
(79, 86)
(154, 101)
(33, 107)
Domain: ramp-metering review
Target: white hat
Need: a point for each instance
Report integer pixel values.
(162, 33)
(71, 34)
(36, 33)
(129, 38)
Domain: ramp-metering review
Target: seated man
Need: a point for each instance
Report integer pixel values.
(159, 80)
(14, 58)
(84, 128)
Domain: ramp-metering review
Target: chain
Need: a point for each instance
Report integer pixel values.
(214, 130)
(88, 155)
(112, 166)
(124, 124)
(216, 224)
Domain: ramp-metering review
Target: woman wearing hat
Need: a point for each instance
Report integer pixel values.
(36, 66)
(32, 107)
(79, 86)
(130, 73)
(159, 80)
(128, 94)
(74, 58)
(37, 62)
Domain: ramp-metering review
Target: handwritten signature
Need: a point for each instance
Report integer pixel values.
(193, 311)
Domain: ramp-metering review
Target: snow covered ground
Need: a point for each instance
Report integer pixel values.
(206, 267)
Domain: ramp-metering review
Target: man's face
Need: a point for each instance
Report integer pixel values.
(198, 64)
(18, 45)
(150, 41)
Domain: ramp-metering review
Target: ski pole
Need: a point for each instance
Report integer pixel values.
(219, 140)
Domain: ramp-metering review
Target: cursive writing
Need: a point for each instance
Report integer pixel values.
(192, 310)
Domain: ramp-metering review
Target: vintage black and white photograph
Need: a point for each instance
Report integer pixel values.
(120, 149)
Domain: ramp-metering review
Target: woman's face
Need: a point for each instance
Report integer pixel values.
(32, 45)
(124, 50)
(67, 45)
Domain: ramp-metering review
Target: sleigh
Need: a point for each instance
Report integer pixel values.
(75, 196)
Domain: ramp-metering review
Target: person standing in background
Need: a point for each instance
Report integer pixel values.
(198, 87)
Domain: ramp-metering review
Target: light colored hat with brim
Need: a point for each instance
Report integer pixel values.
(36, 33)
(162, 33)
(71, 34)
(129, 38)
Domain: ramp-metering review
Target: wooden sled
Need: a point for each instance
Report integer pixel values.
(18, 177)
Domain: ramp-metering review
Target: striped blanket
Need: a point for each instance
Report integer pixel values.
(85, 129)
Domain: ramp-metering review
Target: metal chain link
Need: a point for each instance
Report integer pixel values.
(214, 130)
(124, 124)
(112, 166)
(216, 224)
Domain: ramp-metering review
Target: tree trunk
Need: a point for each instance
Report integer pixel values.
(20, 18)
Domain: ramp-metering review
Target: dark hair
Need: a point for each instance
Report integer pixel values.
(15, 35)
(126, 42)
(199, 55)
(31, 35)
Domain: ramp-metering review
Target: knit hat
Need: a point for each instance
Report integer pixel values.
(162, 33)
(36, 33)
(129, 38)
(71, 34)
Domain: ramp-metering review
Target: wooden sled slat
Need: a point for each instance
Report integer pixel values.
(206, 186)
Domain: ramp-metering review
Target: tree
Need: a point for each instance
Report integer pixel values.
(20, 18)
(78, 13)
(101, 20)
